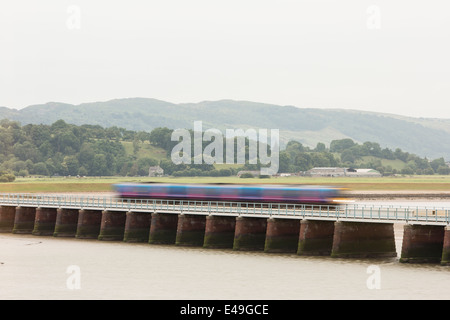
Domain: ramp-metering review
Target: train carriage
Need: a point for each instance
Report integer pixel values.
(300, 194)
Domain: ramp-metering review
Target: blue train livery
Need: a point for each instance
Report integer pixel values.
(300, 194)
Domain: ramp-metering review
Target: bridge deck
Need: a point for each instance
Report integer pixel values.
(343, 212)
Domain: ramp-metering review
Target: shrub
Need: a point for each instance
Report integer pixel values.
(246, 175)
(7, 177)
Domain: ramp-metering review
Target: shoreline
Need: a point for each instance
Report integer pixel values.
(400, 195)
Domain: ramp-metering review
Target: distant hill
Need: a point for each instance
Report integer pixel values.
(424, 137)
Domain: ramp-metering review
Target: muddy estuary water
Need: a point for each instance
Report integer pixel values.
(33, 267)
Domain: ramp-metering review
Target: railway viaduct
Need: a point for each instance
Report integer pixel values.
(339, 232)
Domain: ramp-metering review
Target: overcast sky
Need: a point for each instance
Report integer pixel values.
(384, 56)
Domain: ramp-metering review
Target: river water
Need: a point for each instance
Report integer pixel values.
(33, 267)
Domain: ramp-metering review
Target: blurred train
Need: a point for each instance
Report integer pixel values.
(295, 194)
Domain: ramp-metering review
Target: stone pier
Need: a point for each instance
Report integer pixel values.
(316, 238)
(7, 216)
(363, 240)
(112, 226)
(282, 235)
(44, 223)
(219, 232)
(89, 222)
(24, 220)
(250, 234)
(422, 243)
(190, 230)
(445, 259)
(163, 228)
(137, 226)
(66, 222)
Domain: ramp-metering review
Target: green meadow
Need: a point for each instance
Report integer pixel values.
(104, 184)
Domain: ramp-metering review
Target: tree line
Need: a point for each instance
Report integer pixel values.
(299, 158)
(91, 150)
(65, 149)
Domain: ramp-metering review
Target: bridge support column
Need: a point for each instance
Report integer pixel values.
(363, 240)
(24, 220)
(7, 216)
(190, 230)
(112, 226)
(66, 222)
(250, 234)
(137, 227)
(445, 259)
(219, 232)
(44, 223)
(282, 235)
(422, 243)
(163, 228)
(89, 222)
(316, 238)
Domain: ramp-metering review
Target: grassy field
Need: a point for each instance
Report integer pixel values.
(104, 184)
(395, 164)
(145, 150)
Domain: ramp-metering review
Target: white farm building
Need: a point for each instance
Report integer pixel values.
(342, 172)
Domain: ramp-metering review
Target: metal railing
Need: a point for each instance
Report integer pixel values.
(345, 212)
